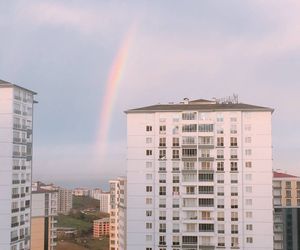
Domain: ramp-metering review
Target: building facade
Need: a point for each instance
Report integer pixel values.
(199, 176)
(16, 118)
(118, 214)
(44, 220)
(81, 192)
(286, 191)
(101, 228)
(104, 198)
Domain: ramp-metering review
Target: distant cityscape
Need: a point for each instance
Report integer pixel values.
(199, 177)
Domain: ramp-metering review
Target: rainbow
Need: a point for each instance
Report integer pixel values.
(111, 91)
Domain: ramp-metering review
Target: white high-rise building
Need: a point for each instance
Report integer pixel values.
(104, 199)
(118, 203)
(16, 114)
(199, 176)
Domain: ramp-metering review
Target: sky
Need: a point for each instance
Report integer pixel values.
(69, 52)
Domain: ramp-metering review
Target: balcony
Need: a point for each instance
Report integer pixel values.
(15, 224)
(15, 210)
(14, 239)
(18, 112)
(15, 182)
(16, 167)
(15, 196)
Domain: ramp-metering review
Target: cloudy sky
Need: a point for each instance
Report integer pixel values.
(64, 50)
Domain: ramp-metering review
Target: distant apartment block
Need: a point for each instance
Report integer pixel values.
(104, 202)
(44, 219)
(199, 176)
(95, 193)
(81, 192)
(65, 197)
(118, 203)
(101, 228)
(16, 118)
(286, 191)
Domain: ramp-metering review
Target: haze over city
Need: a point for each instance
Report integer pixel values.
(66, 51)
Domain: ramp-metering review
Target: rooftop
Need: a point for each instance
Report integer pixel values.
(283, 175)
(201, 105)
(5, 84)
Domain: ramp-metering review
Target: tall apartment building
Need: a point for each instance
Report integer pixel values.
(81, 192)
(65, 197)
(286, 191)
(101, 227)
(16, 117)
(199, 176)
(44, 219)
(104, 198)
(118, 221)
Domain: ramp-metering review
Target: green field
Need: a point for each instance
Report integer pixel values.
(82, 226)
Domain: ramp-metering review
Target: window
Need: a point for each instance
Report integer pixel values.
(175, 190)
(189, 128)
(233, 128)
(149, 213)
(162, 190)
(148, 164)
(249, 240)
(162, 154)
(162, 240)
(248, 164)
(248, 189)
(175, 178)
(148, 128)
(220, 129)
(220, 203)
(189, 165)
(233, 119)
(233, 166)
(175, 142)
(188, 140)
(148, 140)
(221, 228)
(162, 178)
(162, 202)
(148, 237)
(162, 227)
(235, 242)
(206, 202)
(248, 177)
(162, 129)
(248, 139)
(206, 127)
(248, 152)
(234, 216)
(206, 189)
(206, 165)
(162, 142)
(148, 225)
(175, 165)
(220, 216)
(205, 153)
(148, 176)
(206, 227)
(233, 153)
(288, 202)
(175, 130)
(220, 191)
(220, 141)
(248, 127)
(148, 189)
(233, 142)
(220, 117)
(206, 177)
(248, 202)
(176, 215)
(234, 178)
(189, 116)
(234, 191)
(148, 152)
(288, 184)
(220, 154)
(162, 215)
(148, 201)
(234, 229)
(175, 154)
(206, 140)
(220, 178)
(234, 203)
(189, 152)
(220, 166)
(249, 215)
(249, 227)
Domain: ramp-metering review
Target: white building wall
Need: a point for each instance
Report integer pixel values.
(140, 174)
